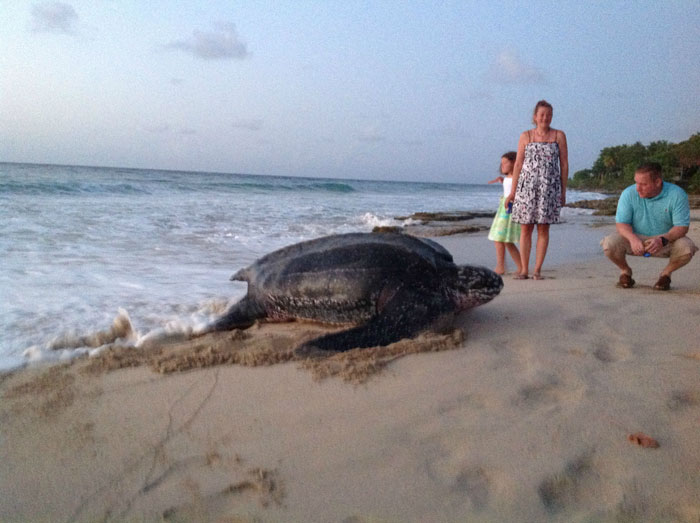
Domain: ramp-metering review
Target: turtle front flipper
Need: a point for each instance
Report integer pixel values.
(406, 315)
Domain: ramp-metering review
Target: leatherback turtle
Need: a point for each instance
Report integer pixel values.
(388, 285)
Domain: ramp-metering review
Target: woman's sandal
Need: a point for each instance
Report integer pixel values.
(537, 276)
(520, 277)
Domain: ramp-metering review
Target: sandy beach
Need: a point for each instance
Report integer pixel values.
(524, 413)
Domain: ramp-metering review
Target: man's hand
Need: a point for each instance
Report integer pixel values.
(637, 246)
(653, 245)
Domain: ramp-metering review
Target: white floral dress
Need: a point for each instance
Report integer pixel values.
(538, 195)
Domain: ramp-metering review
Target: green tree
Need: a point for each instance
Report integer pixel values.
(688, 154)
(615, 166)
(582, 179)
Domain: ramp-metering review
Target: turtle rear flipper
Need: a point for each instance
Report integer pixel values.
(240, 315)
(406, 315)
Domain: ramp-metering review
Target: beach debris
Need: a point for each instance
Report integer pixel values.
(643, 440)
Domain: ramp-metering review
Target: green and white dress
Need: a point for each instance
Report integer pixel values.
(503, 228)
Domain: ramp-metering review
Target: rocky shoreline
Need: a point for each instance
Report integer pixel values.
(433, 224)
(436, 224)
(608, 206)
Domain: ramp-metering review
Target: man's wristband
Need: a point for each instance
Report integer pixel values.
(664, 241)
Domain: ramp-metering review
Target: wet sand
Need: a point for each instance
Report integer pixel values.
(523, 412)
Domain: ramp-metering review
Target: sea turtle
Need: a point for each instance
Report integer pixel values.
(384, 286)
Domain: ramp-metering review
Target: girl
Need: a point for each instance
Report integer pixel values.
(504, 231)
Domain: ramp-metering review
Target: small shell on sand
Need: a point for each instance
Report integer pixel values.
(641, 439)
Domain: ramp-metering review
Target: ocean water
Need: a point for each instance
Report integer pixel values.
(90, 255)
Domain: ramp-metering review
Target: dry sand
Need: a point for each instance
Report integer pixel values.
(522, 414)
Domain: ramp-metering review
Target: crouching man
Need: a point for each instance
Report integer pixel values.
(652, 219)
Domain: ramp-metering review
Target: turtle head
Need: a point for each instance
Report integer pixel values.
(474, 285)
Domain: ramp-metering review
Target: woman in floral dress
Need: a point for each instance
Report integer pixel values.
(539, 186)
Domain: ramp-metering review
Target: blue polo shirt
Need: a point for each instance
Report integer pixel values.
(654, 216)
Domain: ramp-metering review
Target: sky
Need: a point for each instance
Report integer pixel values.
(386, 90)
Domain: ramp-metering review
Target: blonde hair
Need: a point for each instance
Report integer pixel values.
(541, 103)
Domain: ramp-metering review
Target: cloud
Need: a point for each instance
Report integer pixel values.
(248, 125)
(371, 134)
(611, 94)
(511, 69)
(157, 128)
(480, 95)
(220, 44)
(453, 129)
(54, 17)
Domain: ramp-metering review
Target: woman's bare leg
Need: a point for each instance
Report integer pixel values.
(525, 247)
(541, 249)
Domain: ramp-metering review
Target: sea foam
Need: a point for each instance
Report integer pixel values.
(81, 246)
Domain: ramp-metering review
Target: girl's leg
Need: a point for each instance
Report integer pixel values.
(500, 258)
(541, 249)
(525, 246)
(515, 254)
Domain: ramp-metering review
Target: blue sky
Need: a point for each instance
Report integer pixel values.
(399, 90)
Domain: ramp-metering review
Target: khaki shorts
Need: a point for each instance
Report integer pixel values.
(617, 245)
